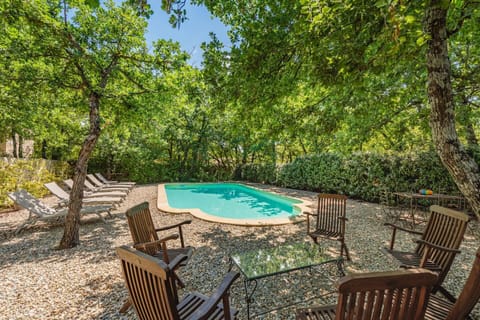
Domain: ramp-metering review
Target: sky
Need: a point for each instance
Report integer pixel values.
(192, 32)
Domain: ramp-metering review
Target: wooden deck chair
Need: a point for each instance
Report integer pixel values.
(438, 245)
(39, 211)
(329, 220)
(103, 186)
(113, 182)
(145, 238)
(441, 309)
(64, 196)
(391, 295)
(92, 191)
(151, 287)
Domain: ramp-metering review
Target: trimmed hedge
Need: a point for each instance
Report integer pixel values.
(359, 175)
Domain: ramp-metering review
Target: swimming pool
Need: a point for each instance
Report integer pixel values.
(231, 203)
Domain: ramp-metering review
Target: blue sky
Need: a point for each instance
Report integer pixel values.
(192, 32)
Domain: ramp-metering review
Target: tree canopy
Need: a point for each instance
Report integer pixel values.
(300, 77)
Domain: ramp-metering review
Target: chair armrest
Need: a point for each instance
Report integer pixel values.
(145, 245)
(428, 249)
(178, 259)
(309, 213)
(394, 232)
(173, 225)
(435, 246)
(177, 225)
(394, 226)
(210, 305)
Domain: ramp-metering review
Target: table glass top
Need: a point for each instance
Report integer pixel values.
(283, 258)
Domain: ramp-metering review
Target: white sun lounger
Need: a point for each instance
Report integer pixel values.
(87, 200)
(39, 211)
(102, 186)
(94, 191)
(113, 182)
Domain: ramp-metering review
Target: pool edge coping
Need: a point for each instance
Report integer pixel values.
(162, 205)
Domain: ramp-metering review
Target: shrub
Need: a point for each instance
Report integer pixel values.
(359, 175)
(28, 174)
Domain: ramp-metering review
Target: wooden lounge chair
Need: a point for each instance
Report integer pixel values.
(99, 198)
(437, 246)
(441, 309)
(145, 238)
(401, 295)
(91, 190)
(151, 287)
(100, 185)
(39, 211)
(113, 182)
(329, 220)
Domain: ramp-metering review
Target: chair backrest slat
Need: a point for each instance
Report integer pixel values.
(387, 295)
(331, 208)
(446, 228)
(150, 284)
(141, 226)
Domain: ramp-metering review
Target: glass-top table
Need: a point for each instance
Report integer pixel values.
(262, 263)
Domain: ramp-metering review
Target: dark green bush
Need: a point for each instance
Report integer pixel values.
(359, 175)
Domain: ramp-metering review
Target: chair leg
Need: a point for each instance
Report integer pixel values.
(126, 305)
(344, 248)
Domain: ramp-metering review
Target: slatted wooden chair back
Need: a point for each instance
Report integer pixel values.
(331, 214)
(445, 228)
(470, 294)
(385, 295)
(142, 228)
(150, 284)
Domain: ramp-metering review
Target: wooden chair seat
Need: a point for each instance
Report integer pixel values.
(317, 313)
(326, 233)
(438, 308)
(194, 300)
(175, 252)
(413, 260)
(443, 309)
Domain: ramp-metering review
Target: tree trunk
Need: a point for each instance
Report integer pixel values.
(20, 146)
(71, 237)
(461, 166)
(14, 144)
(44, 149)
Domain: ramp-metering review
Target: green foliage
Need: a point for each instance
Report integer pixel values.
(29, 175)
(360, 175)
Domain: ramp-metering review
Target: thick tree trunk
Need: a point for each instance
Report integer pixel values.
(461, 166)
(71, 235)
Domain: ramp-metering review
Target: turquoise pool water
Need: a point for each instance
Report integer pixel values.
(230, 200)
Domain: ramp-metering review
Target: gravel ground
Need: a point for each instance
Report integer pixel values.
(39, 282)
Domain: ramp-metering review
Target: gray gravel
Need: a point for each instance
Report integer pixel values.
(39, 282)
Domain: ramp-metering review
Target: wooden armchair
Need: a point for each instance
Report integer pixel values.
(145, 235)
(329, 220)
(441, 309)
(152, 290)
(145, 238)
(437, 246)
(401, 295)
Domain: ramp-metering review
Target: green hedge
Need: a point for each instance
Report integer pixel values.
(359, 175)
(28, 174)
